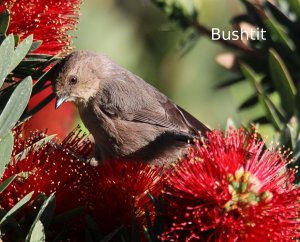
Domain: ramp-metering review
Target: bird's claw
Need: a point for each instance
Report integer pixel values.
(93, 161)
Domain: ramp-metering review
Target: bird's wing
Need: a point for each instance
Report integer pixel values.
(179, 116)
(153, 114)
(192, 121)
(151, 107)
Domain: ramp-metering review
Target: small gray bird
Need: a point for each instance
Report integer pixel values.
(127, 117)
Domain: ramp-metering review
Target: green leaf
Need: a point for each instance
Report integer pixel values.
(15, 106)
(6, 147)
(34, 147)
(4, 21)
(48, 202)
(158, 225)
(92, 228)
(114, 234)
(281, 16)
(229, 82)
(35, 45)
(277, 33)
(297, 101)
(293, 127)
(290, 135)
(159, 222)
(6, 183)
(283, 82)
(272, 112)
(16, 208)
(39, 56)
(21, 51)
(296, 155)
(17, 39)
(6, 55)
(68, 216)
(135, 233)
(148, 231)
(38, 233)
(295, 6)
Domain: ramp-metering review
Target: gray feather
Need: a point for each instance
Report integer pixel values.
(152, 107)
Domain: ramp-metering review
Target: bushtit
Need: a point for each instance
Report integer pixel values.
(127, 117)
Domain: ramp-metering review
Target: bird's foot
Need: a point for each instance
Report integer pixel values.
(93, 161)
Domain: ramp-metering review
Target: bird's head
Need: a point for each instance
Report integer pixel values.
(80, 76)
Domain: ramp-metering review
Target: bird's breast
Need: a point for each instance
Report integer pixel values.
(117, 138)
(101, 128)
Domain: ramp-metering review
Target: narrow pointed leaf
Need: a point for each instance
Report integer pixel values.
(35, 45)
(48, 213)
(149, 229)
(34, 147)
(252, 100)
(38, 233)
(4, 21)
(21, 51)
(6, 55)
(277, 33)
(295, 6)
(283, 82)
(158, 225)
(17, 207)
(249, 102)
(135, 233)
(285, 137)
(261, 120)
(6, 183)
(40, 56)
(17, 39)
(252, 11)
(229, 83)
(68, 216)
(296, 153)
(113, 234)
(93, 229)
(6, 147)
(41, 212)
(279, 15)
(15, 106)
(293, 127)
(271, 110)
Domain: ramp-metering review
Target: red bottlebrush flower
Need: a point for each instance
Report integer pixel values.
(50, 168)
(232, 189)
(111, 193)
(121, 190)
(49, 21)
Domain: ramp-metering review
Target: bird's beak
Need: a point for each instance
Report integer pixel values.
(60, 101)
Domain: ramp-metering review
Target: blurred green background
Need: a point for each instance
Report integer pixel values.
(139, 37)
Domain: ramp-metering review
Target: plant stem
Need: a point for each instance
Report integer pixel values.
(236, 45)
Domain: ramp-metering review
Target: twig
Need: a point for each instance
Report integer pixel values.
(236, 45)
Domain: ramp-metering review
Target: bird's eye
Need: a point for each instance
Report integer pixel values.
(73, 80)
